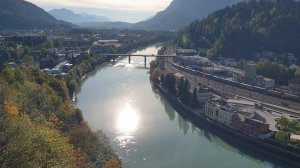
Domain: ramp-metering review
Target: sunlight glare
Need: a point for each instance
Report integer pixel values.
(128, 120)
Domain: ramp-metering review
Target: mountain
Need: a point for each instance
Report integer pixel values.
(105, 25)
(19, 14)
(180, 13)
(70, 16)
(246, 28)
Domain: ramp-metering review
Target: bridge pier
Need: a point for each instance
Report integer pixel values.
(145, 61)
(129, 59)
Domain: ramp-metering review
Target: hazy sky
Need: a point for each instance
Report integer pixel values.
(135, 5)
(133, 10)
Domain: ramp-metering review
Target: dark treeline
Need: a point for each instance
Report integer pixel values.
(245, 28)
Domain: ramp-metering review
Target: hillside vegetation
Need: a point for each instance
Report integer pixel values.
(245, 28)
(180, 13)
(40, 127)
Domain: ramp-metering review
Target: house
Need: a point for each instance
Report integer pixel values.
(294, 138)
(203, 95)
(250, 71)
(193, 61)
(255, 127)
(2, 40)
(294, 67)
(101, 46)
(250, 126)
(265, 82)
(216, 110)
(294, 85)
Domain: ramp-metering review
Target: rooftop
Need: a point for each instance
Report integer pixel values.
(242, 102)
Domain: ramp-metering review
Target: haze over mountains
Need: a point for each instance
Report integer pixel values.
(180, 13)
(69, 16)
(19, 14)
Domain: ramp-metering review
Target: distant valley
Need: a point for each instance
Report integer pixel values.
(76, 18)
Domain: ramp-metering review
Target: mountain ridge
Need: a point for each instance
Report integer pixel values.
(180, 13)
(246, 28)
(72, 17)
(20, 14)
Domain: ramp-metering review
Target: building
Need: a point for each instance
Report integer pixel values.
(230, 62)
(265, 82)
(251, 127)
(101, 46)
(255, 127)
(212, 109)
(193, 61)
(203, 95)
(242, 107)
(225, 116)
(186, 52)
(250, 71)
(294, 85)
(224, 113)
(295, 138)
(2, 40)
(217, 110)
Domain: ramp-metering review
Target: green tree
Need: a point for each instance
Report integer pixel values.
(155, 75)
(183, 87)
(27, 58)
(195, 96)
(282, 136)
(297, 73)
(24, 144)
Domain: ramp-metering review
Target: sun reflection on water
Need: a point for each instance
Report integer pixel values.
(127, 120)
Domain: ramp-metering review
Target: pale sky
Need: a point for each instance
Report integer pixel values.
(132, 5)
(116, 10)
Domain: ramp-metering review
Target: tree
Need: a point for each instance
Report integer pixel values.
(113, 163)
(183, 87)
(153, 65)
(25, 144)
(297, 73)
(282, 136)
(170, 83)
(155, 75)
(195, 96)
(28, 58)
(283, 121)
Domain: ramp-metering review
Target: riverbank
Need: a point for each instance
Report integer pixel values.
(238, 139)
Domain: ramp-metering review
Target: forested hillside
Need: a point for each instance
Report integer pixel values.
(245, 28)
(20, 14)
(40, 127)
(180, 13)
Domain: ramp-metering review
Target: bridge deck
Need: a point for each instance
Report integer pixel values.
(140, 55)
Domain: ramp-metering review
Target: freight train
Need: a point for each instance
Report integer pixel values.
(248, 87)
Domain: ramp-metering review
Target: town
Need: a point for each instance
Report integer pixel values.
(234, 94)
(146, 84)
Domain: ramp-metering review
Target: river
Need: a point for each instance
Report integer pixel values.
(145, 130)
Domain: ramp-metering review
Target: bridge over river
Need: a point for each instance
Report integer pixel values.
(114, 56)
